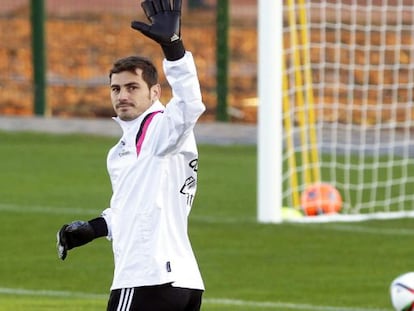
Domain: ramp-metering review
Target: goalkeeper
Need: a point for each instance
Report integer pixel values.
(153, 172)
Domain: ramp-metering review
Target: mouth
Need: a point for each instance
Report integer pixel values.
(124, 106)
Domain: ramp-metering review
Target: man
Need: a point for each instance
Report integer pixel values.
(153, 171)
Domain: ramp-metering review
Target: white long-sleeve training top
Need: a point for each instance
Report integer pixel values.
(154, 185)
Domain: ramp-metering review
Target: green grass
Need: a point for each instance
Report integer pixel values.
(47, 180)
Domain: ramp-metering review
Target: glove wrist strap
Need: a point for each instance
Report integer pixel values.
(173, 51)
(99, 227)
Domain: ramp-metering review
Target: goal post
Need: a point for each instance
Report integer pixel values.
(270, 49)
(336, 105)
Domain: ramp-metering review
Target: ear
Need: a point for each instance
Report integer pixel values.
(155, 92)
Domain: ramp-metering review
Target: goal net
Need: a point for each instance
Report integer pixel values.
(348, 104)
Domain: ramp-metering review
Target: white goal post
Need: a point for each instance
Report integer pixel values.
(336, 105)
(269, 118)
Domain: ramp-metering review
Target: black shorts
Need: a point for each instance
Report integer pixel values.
(155, 298)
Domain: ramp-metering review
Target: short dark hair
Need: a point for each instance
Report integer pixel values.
(132, 63)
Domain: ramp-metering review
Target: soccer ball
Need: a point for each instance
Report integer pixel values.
(402, 292)
(321, 198)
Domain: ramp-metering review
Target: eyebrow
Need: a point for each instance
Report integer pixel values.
(126, 84)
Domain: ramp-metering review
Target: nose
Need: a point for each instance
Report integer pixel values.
(123, 94)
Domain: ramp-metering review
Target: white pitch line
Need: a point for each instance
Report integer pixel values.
(356, 227)
(49, 293)
(15, 208)
(211, 301)
(283, 305)
(47, 209)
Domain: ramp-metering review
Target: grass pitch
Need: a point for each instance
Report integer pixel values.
(48, 180)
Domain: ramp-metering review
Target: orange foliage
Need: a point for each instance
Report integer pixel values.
(81, 50)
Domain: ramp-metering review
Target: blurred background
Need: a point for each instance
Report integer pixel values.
(80, 40)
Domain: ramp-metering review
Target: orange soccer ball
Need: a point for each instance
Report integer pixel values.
(321, 198)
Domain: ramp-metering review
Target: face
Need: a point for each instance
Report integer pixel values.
(130, 94)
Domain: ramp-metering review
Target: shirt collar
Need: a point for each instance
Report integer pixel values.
(125, 125)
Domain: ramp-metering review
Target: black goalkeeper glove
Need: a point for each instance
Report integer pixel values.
(72, 235)
(79, 233)
(165, 27)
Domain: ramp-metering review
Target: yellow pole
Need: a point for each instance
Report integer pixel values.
(290, 146)
(300, 102)
(309, 93)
